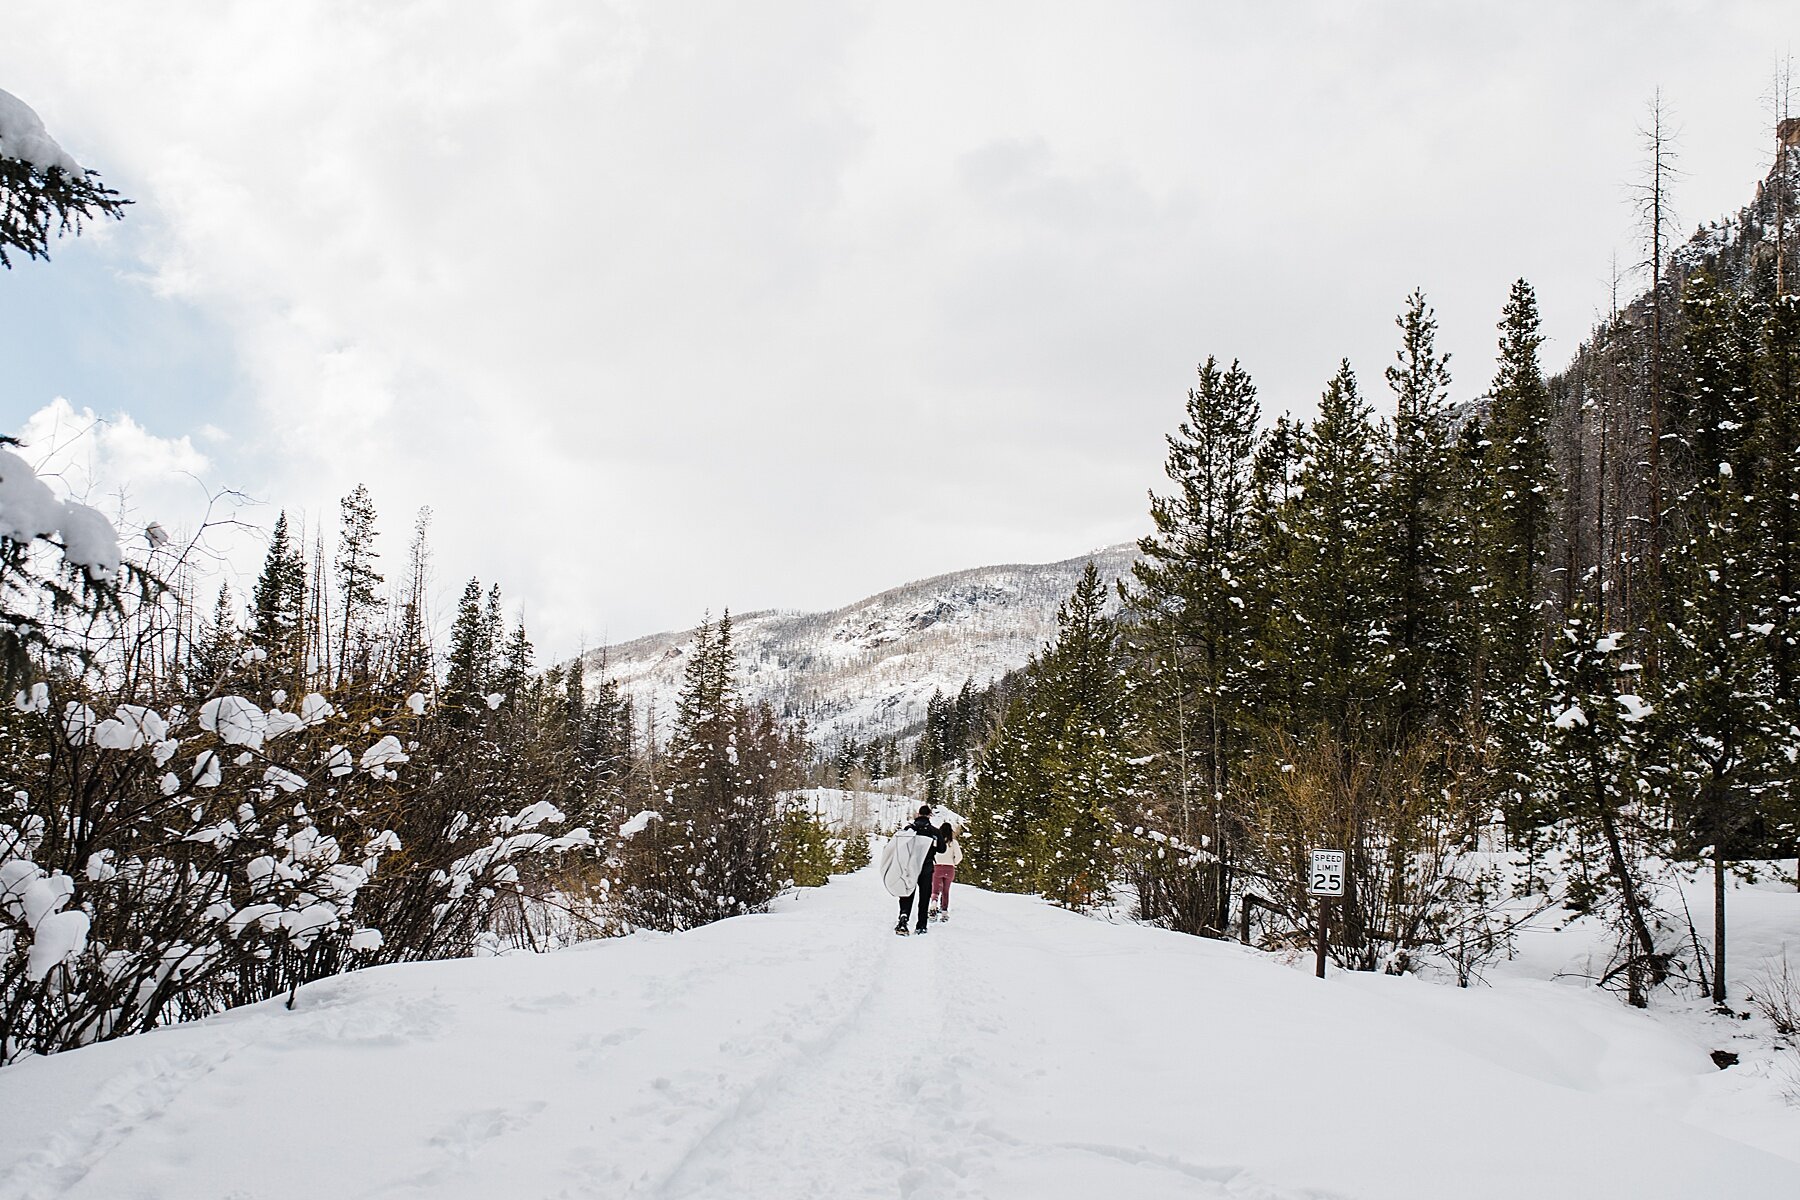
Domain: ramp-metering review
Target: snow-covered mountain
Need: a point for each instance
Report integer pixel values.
(870, 668)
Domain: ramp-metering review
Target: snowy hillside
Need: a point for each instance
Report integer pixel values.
(869, 668)
(1018, 1051)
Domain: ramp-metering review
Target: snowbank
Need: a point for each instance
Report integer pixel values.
(1017, 1051)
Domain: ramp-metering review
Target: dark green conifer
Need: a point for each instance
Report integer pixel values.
(278, 607)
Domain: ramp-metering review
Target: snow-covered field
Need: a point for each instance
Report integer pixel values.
(1019, 1051)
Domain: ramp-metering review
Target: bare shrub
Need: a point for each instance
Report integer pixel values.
(1776, 993)
(1409, 821)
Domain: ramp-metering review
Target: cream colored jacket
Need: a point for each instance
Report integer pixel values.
(950, 855)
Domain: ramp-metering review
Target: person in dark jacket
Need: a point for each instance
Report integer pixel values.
(921, 825)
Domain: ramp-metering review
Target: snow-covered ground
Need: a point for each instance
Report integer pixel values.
(1019, 1051)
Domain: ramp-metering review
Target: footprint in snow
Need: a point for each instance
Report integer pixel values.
(473, 1130)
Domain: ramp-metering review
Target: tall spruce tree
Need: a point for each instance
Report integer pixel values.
(358, 581)
(413, 663)
(1335, 640)
(1523, 487)
(719, 807)
(515, 663)
(1519, 493)
(216, 650)
(1195, 627)
(1009, 812)
(1426, 535)
(1051, 795)
(1586, 751)
(1093, 768)
(471, 655)
(278, 606)
(1723, 733)
(1775, 445)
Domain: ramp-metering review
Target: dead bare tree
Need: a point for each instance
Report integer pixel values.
(1655, 217)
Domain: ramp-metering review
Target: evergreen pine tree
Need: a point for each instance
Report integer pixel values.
(1051, 794)
(1722, 730)
(465, 679)
(358, 581)
(1422, 523)
(1585, 749)
(719, 800)
(1007, 840)
(493, 637)
(1523, 486)
(1194, 630)
(217, 649)
(1519, 491)
(413, 663)
(1775, 446)
(515, 663)
(1336, 640)
(278, 607)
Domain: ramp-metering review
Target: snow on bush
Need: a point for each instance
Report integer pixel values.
(34, 898)
(89, 540)
(380, 759)
(29, 510)
(237, 721)
(638, 823)
(234, 856)
(261, 881)
(133, 727)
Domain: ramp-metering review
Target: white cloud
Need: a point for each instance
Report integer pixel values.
(663, 307)
(118, 466)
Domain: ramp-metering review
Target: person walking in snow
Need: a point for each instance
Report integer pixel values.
(906, 866)
(949, 854)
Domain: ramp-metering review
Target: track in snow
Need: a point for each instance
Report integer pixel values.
(1017, 1051)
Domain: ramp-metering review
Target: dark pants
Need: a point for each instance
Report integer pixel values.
(922, 891)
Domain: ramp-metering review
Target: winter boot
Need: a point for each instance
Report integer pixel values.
(901, 927)
(922, 927)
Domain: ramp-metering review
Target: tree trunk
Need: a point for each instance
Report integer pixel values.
(1718, 979)
(1634, 912)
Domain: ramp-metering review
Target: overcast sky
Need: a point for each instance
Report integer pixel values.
(665, 307)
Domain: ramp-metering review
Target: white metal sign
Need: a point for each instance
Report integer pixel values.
(1327, 875)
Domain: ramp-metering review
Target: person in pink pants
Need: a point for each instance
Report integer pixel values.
(945, 870)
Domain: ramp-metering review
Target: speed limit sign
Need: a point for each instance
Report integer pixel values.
(1327, 875)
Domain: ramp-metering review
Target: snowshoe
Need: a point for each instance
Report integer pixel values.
(921, 929)
(901, 929)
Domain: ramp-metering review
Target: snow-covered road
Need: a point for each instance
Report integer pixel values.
(1019, 1051)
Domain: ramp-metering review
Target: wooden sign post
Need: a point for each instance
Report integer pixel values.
(1326, 881)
